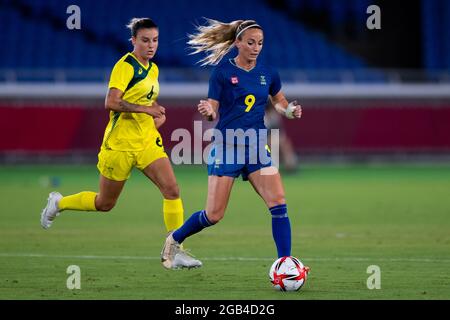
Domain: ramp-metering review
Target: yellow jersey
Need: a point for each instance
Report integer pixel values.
(128, 131)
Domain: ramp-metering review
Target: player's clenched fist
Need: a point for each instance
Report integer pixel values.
(294, 110)
(205, 108)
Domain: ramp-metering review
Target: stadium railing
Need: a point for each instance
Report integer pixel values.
(57, 119)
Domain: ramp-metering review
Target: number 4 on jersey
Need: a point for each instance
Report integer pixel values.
(150, 95)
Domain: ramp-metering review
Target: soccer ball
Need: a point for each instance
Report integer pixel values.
(288, 274)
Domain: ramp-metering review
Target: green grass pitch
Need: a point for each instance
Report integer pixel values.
(343, 219)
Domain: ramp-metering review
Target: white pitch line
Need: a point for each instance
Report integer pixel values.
(336, 259)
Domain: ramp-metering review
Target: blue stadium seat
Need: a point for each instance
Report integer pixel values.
(103, 36)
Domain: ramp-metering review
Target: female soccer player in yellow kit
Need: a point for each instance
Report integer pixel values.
(131, 138)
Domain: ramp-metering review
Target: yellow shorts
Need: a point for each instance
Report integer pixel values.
(117, 165)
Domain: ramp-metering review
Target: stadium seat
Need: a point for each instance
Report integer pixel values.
(104, 38)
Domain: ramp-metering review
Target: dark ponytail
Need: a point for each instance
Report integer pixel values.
(140, 23)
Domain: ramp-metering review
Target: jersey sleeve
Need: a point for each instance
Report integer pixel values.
(121, 76)
(157, 70)
(215, 85)
(275, 85)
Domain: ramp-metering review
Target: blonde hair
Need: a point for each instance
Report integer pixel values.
(217, 38)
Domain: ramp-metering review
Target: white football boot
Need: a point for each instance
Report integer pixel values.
(173, 256)
(51, 211)
(184, 259)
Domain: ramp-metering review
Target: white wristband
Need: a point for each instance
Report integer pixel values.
(289, 112)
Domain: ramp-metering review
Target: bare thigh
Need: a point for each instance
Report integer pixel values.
(160, 172)
(269, 187)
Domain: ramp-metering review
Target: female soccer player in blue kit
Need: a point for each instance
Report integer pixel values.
(238, 92)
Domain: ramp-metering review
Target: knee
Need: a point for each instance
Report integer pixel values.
(171, 191)
(105, 206)
(214, 216)
(276, 200)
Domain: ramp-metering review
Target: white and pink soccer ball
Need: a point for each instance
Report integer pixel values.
(288, 274)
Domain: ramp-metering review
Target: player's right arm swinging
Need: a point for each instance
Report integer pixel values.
(208, 108)
(115, 102)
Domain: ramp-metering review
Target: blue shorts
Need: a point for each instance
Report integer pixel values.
(233, 160)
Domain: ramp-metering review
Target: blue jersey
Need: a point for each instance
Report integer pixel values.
(242, 94)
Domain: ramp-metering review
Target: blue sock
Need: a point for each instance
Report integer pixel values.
(197, 222)
(281, 230)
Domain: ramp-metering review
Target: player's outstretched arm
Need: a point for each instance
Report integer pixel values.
(115, 102)
(208, 108)
(290, 109)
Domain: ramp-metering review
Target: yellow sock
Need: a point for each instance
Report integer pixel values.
(83, 201)
(173, 214)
